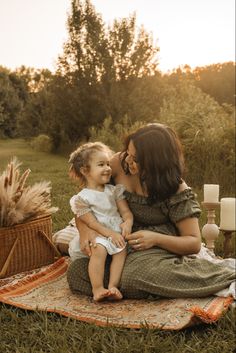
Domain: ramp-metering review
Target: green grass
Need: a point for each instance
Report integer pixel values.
(23, 331)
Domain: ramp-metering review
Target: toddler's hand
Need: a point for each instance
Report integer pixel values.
(126, 228)
(117, 239)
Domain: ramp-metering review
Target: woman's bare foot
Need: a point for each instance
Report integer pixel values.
(115, 294)
(101, 294)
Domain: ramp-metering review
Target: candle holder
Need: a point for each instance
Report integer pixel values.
(227, 239)
(210, 231)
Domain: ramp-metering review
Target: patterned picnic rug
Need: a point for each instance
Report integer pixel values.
(47, 289)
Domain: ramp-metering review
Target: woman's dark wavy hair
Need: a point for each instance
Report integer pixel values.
(160, 160)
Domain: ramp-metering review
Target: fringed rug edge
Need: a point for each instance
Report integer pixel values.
(216, 308)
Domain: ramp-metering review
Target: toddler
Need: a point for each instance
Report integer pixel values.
(104, 209)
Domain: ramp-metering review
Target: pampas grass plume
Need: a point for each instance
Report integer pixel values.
(19, 203)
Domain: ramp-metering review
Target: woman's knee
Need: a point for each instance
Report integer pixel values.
(77, 276)
(130, 285)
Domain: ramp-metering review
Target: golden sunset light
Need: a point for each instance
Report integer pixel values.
(117, 176)
(192, 32)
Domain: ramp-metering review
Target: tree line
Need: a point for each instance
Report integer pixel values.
(108, 78)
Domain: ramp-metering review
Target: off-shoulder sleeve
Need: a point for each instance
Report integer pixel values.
(183, 205)
(119, 192)
(79, 206)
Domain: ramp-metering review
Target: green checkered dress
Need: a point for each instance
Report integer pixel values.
(156, 272)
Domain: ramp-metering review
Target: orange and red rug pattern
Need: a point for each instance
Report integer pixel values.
(47, 289)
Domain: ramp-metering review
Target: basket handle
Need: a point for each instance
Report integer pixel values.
(8, 259)
(43, 235)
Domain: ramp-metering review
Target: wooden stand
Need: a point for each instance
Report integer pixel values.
(210, 231)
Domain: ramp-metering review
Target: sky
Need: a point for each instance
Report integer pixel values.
(188, 32)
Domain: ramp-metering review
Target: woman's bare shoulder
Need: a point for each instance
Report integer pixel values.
(183, 186)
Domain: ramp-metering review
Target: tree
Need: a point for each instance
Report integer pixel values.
(218, 81)
(32, 120)
(101, 68)
(12, 97)
(34, 79)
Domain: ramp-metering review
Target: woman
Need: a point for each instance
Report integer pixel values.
(165, 225)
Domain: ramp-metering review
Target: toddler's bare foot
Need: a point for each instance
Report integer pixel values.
(115, 294)
(100, 294)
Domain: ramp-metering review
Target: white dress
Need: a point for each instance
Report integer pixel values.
(103, 206)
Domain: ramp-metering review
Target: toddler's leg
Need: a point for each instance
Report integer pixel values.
(116, 269)
(96, 272)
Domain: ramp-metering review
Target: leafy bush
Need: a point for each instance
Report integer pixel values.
(42, 143)
(112, 134)
(207, 132)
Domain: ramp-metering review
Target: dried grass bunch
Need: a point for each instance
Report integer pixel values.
(19, 203)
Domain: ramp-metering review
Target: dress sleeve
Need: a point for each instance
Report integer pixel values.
(183, 205)
(79, 206)
(119, 192)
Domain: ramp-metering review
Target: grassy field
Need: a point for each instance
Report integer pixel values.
(27, 332)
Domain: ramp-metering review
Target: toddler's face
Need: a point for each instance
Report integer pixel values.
(99, 168)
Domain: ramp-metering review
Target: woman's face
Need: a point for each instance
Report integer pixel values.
(131, 159)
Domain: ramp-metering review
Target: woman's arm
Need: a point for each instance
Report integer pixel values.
(87, 237)
(189, 241)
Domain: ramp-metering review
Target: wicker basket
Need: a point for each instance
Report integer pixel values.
(26, 246)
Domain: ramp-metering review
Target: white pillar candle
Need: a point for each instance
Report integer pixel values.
(211, 193)
(227, 213)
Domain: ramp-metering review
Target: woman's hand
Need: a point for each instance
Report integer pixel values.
(188, 242)
(142, 239)
(87, 241)
(87, 237)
